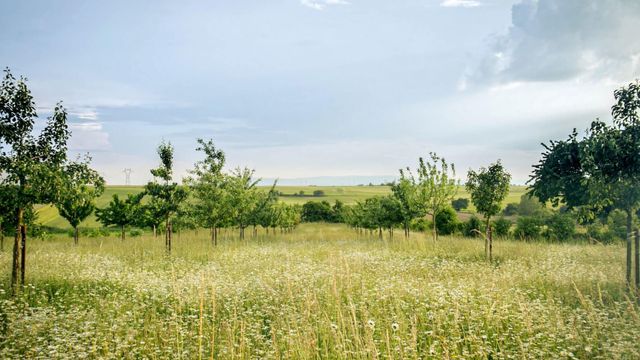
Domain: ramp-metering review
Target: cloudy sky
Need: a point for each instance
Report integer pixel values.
(306, 88)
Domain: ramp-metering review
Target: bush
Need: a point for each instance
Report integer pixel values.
(560, 227)
(135, 232)
(420, 224)
(510, 210)
(447, 221)
(501, 227)
(314, 211)
(529, 206)
(527, 227)
(460, 204)
(472, 227)
(318, 193)
(617, 224)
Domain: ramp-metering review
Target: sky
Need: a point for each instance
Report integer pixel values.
(322, 88)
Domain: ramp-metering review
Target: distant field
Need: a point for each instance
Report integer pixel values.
(48, 215)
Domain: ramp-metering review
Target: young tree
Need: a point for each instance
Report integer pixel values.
(404, 190)
(81, 185)
(241, 190)
(121, 213)
(209, 203)
(167, 195)
(488, 188)
(460, 204)
(28, 163)
(436, 186)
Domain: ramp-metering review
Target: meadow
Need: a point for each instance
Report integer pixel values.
(48, 215)
(322, 291)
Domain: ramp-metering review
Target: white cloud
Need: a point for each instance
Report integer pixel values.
(85, 114)
(88, 136)
(552, 40)
(322, 4)
(460, 3)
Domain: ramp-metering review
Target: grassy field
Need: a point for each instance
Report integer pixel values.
(321, 292)
(48, 215)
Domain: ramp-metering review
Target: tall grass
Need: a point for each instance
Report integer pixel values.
(321, 292)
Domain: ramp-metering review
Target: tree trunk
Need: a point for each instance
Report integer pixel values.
(637, 258)
(1, 238)
(122, 233)
(23, 257)
(486, 239)
(168, 235)
(435, 228)
(629, 235)
(75, 235)
(17, 250)
(215, 236)
(406, 229)
(155, 231)
(490, 244)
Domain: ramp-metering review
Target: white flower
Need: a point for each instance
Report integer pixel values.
(395, 326)
(372, 324)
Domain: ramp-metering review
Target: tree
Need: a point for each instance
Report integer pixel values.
(241, 191)
(28, 163)
(207, 183)
(600, 171)
(167, 195)
(316, 211)
(81, 185)
(121, 213)
(460, 204)
(488, 188)
(404, 190)
(435, 186)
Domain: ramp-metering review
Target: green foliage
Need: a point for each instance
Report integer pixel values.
(80, 185)
(318, 193)
(510, 210)
(472, 227)
(529, 206)
(447, 221)
(528, 228)
(502, 227)
(488, 188)
(119, 212)
(315, 211)
(560, 227)
(460, 204)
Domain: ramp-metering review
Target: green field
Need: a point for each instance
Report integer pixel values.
(320, 292)
(48, 215)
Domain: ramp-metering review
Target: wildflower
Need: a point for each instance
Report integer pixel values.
(372, 324)
(395, 326)
(334, 327)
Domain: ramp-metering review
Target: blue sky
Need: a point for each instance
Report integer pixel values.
(306, 88)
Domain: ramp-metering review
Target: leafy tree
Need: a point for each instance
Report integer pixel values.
(435, 186)
(405, 191)
(488, 188)
(510, 210)
(600, 171)
(317, 211)
(529, 206)
(81, 185)
(28, 163)
(318, 193)
(241, 191)
(207, 183)
(119, 212)
(149, 215)
(166, 194)
(460, 204)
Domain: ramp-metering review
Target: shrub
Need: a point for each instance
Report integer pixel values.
(460, 204)
(527, 227)
(501, 227)
(135, 232)
(314, 211)
(529, 206)
(560, 227)
(420, 224)
(510, 210)
(472, 227)
(447, 221)
(318, 193)
(617, 224)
